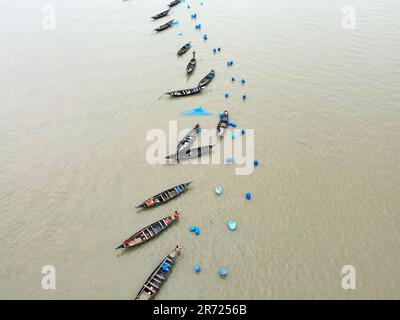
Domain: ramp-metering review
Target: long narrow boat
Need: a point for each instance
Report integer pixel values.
(207, 79)
(187, 140)
(165, 26)
(160, 15)
(184, 49)
(184, 92)
(157, 278)
(192, 64)
(174, 3)
(149, 232)
(164, 196)
(222, 124)
(191, 153)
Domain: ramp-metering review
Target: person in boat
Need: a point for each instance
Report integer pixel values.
(225, 116)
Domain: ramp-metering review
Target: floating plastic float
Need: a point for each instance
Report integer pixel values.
(232, 225)
(223, 272)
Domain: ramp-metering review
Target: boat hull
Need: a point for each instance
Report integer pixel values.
(191, 153)
(164, 196)
(157, 278)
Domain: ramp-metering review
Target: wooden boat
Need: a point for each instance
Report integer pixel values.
(192, 64)
(174, 3)
(222, 124)
(160, 15)
(184, 92)
(165, 26)
(191, 153)
(157, 278)
(164, 196)
(149, 232)
(207, 79)
(184, 49)
(187, 141)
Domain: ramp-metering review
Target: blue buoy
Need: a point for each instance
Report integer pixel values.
(232, 225)
(244, 97)
(215, 50)
(248, 195)
(256, 163)
(205, 37)
(233, 79)
(223, 272)
(243, 81)
(229, 160)
(219, 49)
(218, 190)
(197, 268)
(197, 231)
(192, 228)
(243, 131)
(226, 95)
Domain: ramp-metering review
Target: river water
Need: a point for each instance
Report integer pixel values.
(79, 93)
